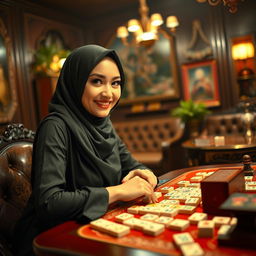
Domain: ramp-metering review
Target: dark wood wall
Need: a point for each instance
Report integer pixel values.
(26, 22)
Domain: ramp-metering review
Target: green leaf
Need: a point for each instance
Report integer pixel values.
(188, 110)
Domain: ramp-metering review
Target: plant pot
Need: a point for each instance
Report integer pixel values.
(193, 126)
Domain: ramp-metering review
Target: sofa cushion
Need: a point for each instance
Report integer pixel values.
(147, 135)
(150, 159)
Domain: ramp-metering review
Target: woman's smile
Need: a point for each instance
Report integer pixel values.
(103, 104)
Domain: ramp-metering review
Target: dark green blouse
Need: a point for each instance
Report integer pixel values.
(66, 185)
(75, 155)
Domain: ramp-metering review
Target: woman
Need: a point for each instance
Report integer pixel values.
(80, 165)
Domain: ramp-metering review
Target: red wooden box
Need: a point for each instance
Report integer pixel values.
(217, 187)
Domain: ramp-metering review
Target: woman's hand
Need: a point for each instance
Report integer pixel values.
(131, 189)
(144, 174)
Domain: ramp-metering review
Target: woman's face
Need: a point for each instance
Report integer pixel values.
(102, 89)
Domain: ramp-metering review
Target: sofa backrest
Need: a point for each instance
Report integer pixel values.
(225, 124)
(148, 135)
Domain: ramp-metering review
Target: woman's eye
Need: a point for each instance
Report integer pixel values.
(96, 81)
(116, 83)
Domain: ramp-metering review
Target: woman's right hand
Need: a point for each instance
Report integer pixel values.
(130, 190)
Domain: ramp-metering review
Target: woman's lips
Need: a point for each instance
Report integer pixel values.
(103, 104)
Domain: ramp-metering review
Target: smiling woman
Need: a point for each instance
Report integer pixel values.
(80, 165)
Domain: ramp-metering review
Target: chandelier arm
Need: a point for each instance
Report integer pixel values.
(144, 14)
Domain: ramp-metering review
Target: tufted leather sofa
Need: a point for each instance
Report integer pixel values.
(225, 124)
(154, 142)
(16, 143)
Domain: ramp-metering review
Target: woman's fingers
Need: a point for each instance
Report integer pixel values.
(148, 176)
(129, 176)
(135, 188)
(145, 174)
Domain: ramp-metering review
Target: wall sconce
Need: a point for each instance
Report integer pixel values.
(242, 52)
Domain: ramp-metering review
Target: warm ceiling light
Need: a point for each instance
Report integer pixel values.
(145, 31)
(243, 51)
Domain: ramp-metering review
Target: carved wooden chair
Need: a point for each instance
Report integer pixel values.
(16, 144)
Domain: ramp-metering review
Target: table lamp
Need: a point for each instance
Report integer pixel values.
(242, 52)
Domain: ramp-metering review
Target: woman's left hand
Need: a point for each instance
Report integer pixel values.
(145, 174)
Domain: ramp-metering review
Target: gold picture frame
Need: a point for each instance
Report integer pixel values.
(200, 82)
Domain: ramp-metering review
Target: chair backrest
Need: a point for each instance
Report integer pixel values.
(147, 135)
(225, 124)
(16, 144)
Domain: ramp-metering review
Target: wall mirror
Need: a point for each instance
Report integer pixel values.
(8, 99)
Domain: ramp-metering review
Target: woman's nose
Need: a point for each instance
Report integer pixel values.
(107, 91)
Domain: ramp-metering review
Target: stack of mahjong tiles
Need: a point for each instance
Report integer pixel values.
(177, 211)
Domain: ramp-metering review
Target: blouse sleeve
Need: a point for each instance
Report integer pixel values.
(54, 202)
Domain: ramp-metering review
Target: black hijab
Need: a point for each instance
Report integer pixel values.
(94, 136)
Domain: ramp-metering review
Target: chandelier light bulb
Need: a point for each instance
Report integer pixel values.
(156, 19)
(133, 25)
(122, 32)
(172, 22)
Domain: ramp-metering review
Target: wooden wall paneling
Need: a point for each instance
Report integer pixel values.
(219, 41)
(26, 96)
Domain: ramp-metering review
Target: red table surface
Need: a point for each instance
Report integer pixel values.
(65, 239)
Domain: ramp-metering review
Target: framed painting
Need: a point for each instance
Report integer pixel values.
(8, 100)
(200, 82)
(151, 72)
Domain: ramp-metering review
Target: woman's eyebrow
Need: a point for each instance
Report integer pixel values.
(95, 74)
(102, 76)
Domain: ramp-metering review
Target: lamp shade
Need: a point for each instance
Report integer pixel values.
(133, 25)
(242, 51)
(172, 22)
(122, 32)
(156, 19)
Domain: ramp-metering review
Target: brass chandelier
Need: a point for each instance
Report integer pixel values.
(231, 4)
(145, 31)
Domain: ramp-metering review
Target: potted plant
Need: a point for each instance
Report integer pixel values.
(48, 60)
(192, 114)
